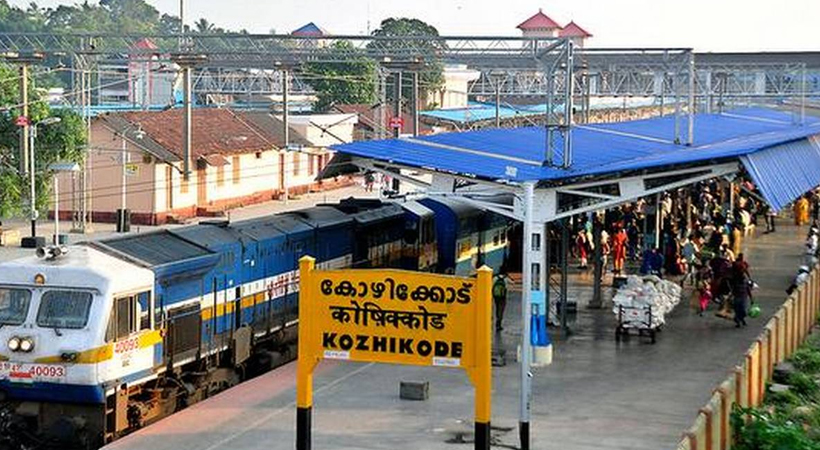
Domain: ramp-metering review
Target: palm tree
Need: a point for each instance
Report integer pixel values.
(203, 26)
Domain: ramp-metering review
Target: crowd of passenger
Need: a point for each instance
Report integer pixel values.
(699, 234)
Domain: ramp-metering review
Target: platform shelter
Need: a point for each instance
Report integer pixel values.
(608, 164)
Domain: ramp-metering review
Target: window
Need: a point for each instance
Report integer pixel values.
(143, 299)
(311, 164)
(13, 305)
(183, 184)
(297, 159)
(64, 309)
(124, 318)
(126, 313)
(237, 171)
(220, 175)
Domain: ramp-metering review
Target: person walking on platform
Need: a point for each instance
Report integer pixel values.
(703, 289)
(619, 243)
(689, 252)
(582, 247)
(652, 262)
(736, 238)
(740, 290)
(500, 298)
(769, 215)
(801, 211)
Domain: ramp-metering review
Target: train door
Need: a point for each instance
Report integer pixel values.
(515, 243)
(129, 317)
(237, 307)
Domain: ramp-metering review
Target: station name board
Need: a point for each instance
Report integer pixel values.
(393, 316)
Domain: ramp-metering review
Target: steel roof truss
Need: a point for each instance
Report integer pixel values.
(631, 188)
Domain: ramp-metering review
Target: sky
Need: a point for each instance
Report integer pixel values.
(706, 25)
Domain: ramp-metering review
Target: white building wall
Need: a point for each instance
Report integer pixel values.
(105, 176)
(256, 174)
(324, 130)
(457, 79)
(178, 194)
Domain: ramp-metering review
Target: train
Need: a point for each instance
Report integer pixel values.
(105, 337)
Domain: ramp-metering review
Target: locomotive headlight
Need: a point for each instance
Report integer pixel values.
(14, 344)
(26, 345)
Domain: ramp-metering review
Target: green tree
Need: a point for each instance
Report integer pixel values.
(430, 78)
(169, 24)
(203, 26)
(108, 16)
(64, 141)
(131, 16)
(351, 81)
(14, 19)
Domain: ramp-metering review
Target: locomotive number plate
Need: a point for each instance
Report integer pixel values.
(29, 373)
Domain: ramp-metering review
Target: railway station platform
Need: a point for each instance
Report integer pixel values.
(597, 394)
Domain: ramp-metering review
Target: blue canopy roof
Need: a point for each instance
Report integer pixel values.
(786, 171)
(516, 154)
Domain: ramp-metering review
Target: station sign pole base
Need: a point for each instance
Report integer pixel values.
(482, 436)
(524, 435)
(303, 426)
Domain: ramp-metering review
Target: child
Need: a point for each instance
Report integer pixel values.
(703, 287)
(704, 297)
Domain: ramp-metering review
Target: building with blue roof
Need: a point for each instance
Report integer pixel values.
(476, 112)
(309, 29)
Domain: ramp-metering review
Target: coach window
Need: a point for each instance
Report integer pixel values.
(122, 323)
(144, 302)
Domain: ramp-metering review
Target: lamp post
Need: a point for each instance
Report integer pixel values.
(497, 78)
(123, 222)
(32, 241)
(57, 168)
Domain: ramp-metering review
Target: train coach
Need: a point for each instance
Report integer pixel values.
(105, 337)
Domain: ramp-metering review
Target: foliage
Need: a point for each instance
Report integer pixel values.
(349, 82)
(784, 400)
(803, 385)
(108, 16)
(64, 141)
(430, 78)
(757, 429)
(807, 359)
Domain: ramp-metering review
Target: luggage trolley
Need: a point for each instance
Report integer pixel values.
(638, 319)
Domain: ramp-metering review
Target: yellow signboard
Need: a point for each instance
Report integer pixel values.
(132, 169)
(395, 316)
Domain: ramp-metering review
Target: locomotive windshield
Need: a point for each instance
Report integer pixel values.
(13, 305)
(64, 309)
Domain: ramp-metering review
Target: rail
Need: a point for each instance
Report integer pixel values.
(746, 385)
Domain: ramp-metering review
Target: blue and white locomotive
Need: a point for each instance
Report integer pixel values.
(105, 337)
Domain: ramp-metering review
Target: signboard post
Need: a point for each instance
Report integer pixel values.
(394, 316)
